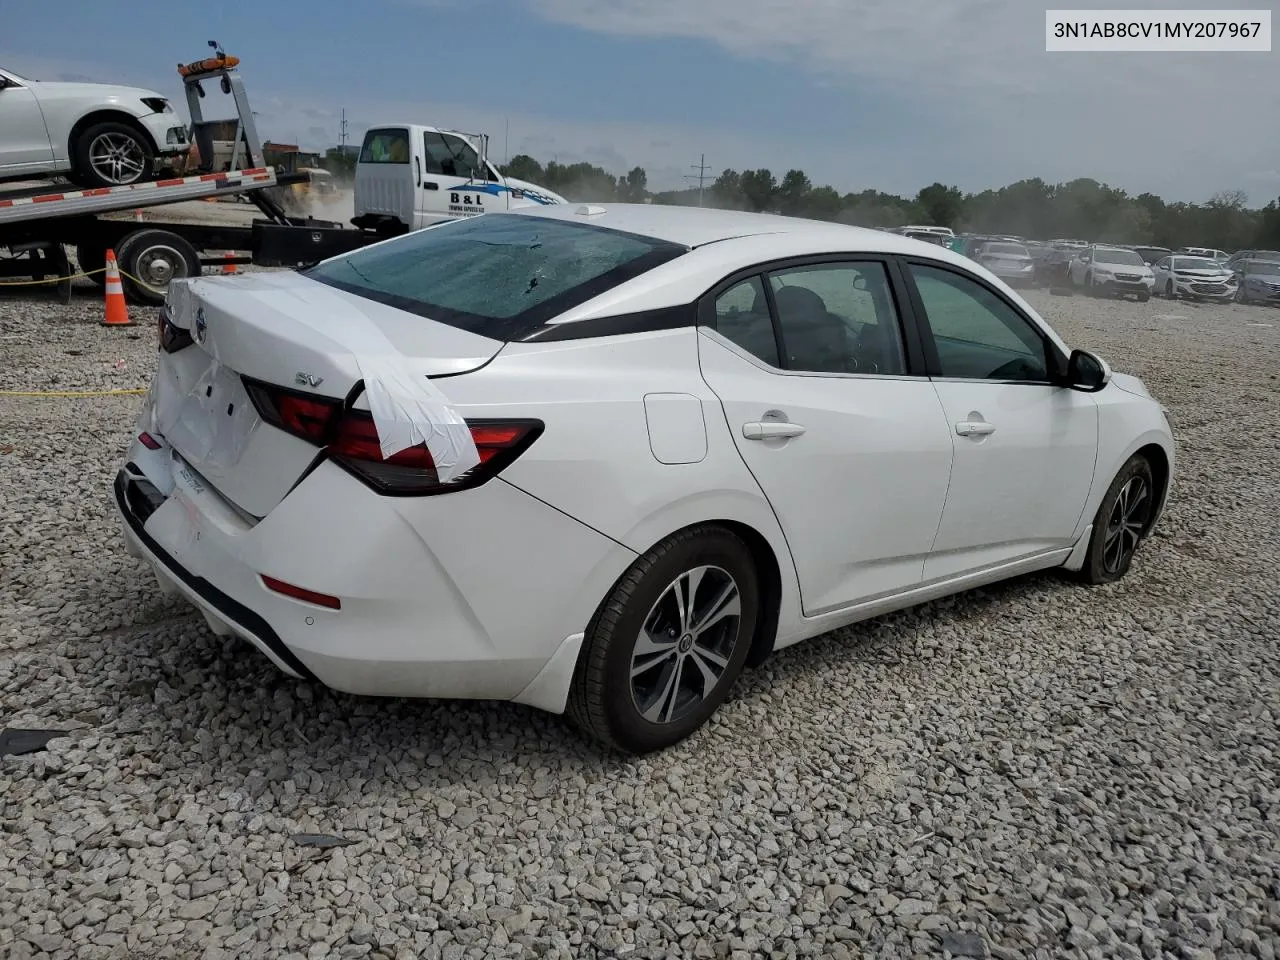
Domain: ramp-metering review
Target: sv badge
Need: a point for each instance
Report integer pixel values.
(307, 380)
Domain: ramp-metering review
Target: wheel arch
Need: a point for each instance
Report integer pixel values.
(769, 568)
(1161, 474)
(106, 115)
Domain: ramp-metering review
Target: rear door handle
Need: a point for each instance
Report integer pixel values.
(975, 428)
(771, 430)
(431, 185)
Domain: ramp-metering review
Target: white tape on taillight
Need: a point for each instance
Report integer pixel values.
(407, 408)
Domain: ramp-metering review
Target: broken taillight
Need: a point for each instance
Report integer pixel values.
(412, 472)
(350, 439)
(172, 338)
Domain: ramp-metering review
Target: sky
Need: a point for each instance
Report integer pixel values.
(882, 94)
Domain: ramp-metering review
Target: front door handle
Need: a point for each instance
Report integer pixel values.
(431, 185)
(771, 430)
(975, 428)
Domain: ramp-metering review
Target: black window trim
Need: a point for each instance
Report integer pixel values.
(913, 350)
(1056, 360)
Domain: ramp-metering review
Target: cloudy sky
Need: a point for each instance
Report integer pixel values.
(887, 94)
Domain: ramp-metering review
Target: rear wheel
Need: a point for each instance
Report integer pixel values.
(668, 642)
(153, 258)
(1120, 523)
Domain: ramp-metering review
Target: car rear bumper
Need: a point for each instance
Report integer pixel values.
(466, 595)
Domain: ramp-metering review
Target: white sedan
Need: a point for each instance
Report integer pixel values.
(96, 134)
(598, 459)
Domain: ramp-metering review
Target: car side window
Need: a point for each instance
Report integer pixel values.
(838, 318)
(977, 335)
(1162, 264)
(742, 316)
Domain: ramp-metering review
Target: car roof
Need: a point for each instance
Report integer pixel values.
(697, 226)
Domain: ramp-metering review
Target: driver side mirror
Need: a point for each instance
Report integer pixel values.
(1087, 372)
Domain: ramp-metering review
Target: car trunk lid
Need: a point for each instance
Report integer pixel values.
(286, 332)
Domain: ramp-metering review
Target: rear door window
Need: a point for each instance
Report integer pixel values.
(496, 275)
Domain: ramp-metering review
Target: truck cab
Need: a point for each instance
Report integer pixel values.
(410, 176)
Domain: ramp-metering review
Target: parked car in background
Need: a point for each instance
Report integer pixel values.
(381, 523)
(1051, 269)
(95, 134)
(1073, 244)
(1208, 252)
(1258, 281)
(1009, 261)
(1234, 260)
(1196, 278)
(1111, 272)
(1150, 255)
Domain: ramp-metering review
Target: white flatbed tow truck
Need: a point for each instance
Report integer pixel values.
(38, 223)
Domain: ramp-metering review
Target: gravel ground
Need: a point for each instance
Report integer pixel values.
(1032, 770)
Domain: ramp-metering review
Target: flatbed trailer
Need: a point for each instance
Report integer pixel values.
(39, 223)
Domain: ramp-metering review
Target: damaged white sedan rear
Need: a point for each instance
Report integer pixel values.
(598, 460)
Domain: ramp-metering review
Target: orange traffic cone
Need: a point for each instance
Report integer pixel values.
(229, 268)
(117, 313)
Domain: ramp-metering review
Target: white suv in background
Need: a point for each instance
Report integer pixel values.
(1112, 272)
(96, 134)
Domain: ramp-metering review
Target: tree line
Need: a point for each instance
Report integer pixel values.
(1081, 209)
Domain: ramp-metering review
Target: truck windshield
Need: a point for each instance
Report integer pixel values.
(498, 275)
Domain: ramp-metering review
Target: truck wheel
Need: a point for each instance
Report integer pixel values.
(111, 154)
(149, 259)
(92, 257)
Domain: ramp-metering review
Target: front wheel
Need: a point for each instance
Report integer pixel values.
(667, 644)
(1168, 289)
(1144, 297)
(111, 154)
(1120, 523)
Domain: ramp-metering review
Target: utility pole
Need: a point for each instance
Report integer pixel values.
(702, 168)
(342, 130)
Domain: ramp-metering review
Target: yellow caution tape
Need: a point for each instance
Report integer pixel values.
(60, 279)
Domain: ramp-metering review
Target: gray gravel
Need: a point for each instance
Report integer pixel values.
(1033, 770)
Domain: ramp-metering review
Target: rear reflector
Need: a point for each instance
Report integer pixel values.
(300, 593)
(148, 441)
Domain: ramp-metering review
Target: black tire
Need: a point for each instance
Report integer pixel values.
(1135, 486)
(603, 697)
(1144, 297)
(1168, 290)
(92, 257)
(152, 258)
(132, 147)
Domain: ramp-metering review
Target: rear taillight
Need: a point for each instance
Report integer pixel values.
(412, 472)
(172, 338)
(303, 415)
(351, 440)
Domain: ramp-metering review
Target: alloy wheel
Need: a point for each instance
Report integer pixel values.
(117, 158)
(685, 644)
(1128, 518)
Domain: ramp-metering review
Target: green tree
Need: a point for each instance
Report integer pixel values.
(759, 188)
(940, 205)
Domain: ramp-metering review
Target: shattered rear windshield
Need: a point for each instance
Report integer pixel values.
(497, 275)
